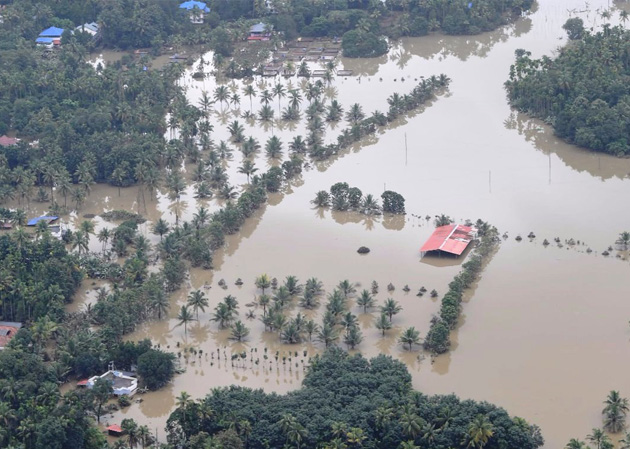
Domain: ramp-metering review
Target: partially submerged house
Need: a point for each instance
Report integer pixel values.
(50, 37)
(8, 329)
(259, 32)
(47, 218)
(196, 10)
(451, 239)
(121, 382)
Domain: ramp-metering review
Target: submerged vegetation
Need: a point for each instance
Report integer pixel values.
(342, 197)
(347, 401)
(583, 92)
(438, 337)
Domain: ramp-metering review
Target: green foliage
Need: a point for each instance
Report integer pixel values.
(583, 92)
(363, 44)
(393, 203)
(156, 368)
(342, 397)
(47, 276)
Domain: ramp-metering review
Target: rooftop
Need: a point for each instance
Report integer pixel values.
(258, 28)
(6, 141)
(452, 239)
(51, 32)
(8, 329)
(192, 4)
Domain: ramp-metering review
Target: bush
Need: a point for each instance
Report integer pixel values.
(156, 368)
(363, 44)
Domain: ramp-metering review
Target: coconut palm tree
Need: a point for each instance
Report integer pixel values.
(311, 327)
(250, 92)
(265, 97)
(410, 423)
(328, 335)
(615, 411)
(263, 282)
(185, 316)
(248, 168)
(222, 314)
(198, 301)
(382, 323)
(480, 430)
(161, 228)
(355, 114)
(365, 300)
(347, 288)
(390, 308)
(297, 145)
(221, 94)
(263, 301)
(410, 337)
(239, 331)
(353, 336)
(280, 92)
(576, 444)
(273, 148)
(624, 443)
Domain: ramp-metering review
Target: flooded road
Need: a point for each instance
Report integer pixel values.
(544, 332)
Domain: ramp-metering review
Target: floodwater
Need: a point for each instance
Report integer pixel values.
(544, 332)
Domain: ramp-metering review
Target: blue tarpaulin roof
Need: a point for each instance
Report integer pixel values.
(192, 4)
(44, 40)
(47, 218)
(51, 32)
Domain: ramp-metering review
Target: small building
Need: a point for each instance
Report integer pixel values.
(8, 329)
(115, 430)
(48, 219)
(121, 383)
(90, 28)
(50, 37)
(6, 141)
(450, 239)
(259, 32)
(196, 10)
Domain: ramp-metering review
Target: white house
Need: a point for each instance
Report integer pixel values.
(196, 10)
(121, 383)
(90, 28)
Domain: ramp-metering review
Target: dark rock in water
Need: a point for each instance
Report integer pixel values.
(519, 238)
(363, 250)
(605, 253)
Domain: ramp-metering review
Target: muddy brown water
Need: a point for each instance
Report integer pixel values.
(544, 333)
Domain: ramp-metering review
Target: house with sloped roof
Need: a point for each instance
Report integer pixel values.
(8, 329)
(50, 37)
(259, 32)
(6, 141)
(91, 28)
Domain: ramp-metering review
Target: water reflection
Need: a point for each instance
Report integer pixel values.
(599, 165)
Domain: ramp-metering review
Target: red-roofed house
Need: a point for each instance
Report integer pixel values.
(115, 430)
(8, 330)
(450, 239)
(7, 141)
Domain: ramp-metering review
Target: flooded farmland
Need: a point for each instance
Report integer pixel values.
(545, 330)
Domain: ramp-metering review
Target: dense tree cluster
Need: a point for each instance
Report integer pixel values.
(342, 197)
(583, 92)
(438, 337)
(37, 277)
(347, 401)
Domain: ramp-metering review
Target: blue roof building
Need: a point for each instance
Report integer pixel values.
(192, 4)
(52, 32)
(196, 10)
